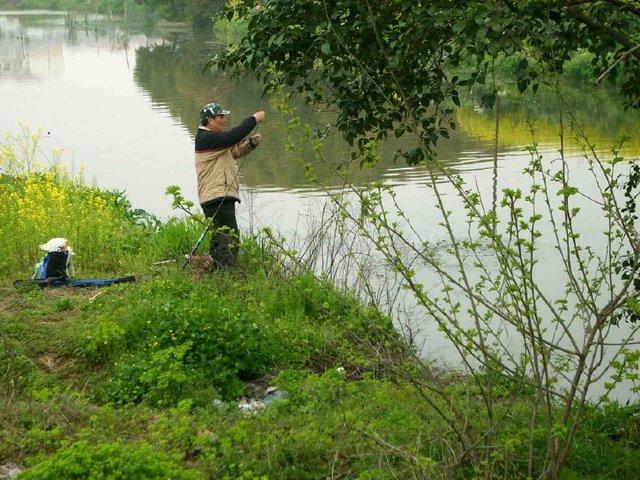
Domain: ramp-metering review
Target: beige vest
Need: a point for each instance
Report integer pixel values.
(217, 172)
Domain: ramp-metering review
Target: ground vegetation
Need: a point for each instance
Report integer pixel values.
(143, 380)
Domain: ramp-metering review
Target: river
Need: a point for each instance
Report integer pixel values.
(119, 104)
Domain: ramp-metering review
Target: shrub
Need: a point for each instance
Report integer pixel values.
(171, 338)
(109, 461)
(162, 378)
(180, 338)
(609, 442)
(100, 341)
(325, 426)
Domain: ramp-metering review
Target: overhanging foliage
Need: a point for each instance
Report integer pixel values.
(387, 67)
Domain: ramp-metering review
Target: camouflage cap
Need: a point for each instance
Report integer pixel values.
(212, 110)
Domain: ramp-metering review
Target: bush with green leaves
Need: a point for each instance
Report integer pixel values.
(178, 335)
(110, 461)
(101, 340)
(172, 338)
(161, 378)
(326, 425)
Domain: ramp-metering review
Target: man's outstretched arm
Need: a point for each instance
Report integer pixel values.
(208, 140)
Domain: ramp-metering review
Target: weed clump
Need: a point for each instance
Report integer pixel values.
(171, 339)
(110, 460)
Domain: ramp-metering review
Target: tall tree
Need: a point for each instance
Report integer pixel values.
(383, 63)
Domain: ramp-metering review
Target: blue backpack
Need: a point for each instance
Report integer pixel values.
(53, 265)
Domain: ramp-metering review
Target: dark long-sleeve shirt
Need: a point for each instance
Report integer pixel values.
(208, 140)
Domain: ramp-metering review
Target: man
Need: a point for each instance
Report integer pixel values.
(217, 172)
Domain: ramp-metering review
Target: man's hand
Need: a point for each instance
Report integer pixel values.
(259, 116)
(255, 140)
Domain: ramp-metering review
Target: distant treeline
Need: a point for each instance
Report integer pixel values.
(196, 11)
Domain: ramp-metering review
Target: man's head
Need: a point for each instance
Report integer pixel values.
(214, 117)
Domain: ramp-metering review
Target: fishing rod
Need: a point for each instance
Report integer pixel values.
(197, 244)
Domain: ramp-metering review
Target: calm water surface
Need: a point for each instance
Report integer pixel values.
(123, 103)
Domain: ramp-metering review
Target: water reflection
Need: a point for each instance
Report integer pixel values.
(32, 47)
(595, 112)
(176, 80)
(172, 75)
(149, 87)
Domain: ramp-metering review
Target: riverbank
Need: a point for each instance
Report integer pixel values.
(145, 380)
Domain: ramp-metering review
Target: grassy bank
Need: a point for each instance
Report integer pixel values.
(143, 380)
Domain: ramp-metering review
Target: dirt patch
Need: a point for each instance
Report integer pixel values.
(49, 362)
(201, 266)
(9, 471)
(54, 364)
(73, 293)
(48, 321)
(5, 305)
(63, 292)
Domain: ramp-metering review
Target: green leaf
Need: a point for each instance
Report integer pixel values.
(567, 191)
(523, 64)
(326, 48)
(458, 27)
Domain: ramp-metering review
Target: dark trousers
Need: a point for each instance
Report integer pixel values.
(225, 235)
